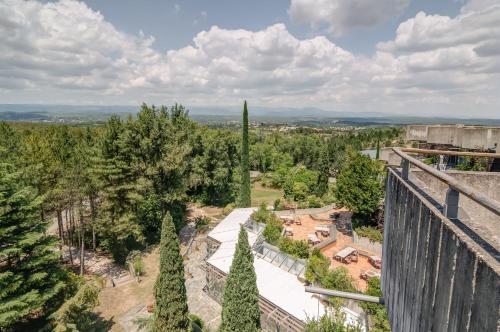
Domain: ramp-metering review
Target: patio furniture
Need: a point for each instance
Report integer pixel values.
(324, 230)
(346, 255)
(287, 220)
(313, 239)
(288, 231)
(298, 221)
(376, 261)
(367, 274)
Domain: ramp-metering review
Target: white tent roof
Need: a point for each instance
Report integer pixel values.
(275, 284)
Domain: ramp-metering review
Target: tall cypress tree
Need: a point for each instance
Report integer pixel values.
(245, 198)
(30, 274)
(240, 307)
(171, 310)
(324, 173)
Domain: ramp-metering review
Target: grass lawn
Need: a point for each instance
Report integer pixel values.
(264, 194)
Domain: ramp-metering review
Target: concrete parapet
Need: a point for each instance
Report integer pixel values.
(466, 137)
(435, 277)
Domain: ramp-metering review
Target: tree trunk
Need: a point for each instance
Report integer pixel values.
(70, 241)
(72, 222)
(82, 239)
(92, 217)
(61, 231)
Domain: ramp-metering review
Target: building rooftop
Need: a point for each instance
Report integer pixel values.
(276, 285)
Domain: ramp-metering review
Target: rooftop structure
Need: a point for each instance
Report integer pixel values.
(460, 136)
(283, 300)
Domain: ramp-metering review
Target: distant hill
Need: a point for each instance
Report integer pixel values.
(305, 115)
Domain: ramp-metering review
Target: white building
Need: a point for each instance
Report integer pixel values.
(285, 306)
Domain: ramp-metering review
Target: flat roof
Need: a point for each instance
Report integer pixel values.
(276, 285)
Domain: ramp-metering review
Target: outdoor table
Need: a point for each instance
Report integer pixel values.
(376, 261)
(312, 238)
(324, 230)
(347, 255)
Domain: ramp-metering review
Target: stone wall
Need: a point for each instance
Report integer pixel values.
(434, 277)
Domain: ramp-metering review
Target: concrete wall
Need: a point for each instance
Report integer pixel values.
(467, 137)
(366, 244)
(434, 277)
(416, 133)
(487, 183)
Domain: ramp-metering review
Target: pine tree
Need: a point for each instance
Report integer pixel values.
(324, 173)
(245, 198)
(240, 307)
(171, 310)
(30, 274)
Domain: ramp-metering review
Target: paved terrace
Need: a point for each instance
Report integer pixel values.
(355, 269)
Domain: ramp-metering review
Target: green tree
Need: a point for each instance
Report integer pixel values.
(324, 174)
(31, 277)
(300, 182)
(359, 185)
(245, 195)
(240, 307)
(76, 313)
(171, 310)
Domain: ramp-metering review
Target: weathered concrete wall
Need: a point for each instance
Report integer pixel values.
(485, 222)
(442, 134)
(416, 133)
(366, 244)
(434, 277)
(467, 137)
(388, 155)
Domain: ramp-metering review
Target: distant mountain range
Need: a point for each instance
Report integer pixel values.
(305, 115)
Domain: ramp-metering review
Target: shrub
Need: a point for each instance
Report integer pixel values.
(197, 322)
(339, 279)
(299, 191)
(372, 233)
(228, 208)
(332, 321)
(278, 205)
(314, 201)
(378, 315)
(262, 215)
(202, 222)
(138, 266)
(297, 248)
(272, 231)
(317, 266)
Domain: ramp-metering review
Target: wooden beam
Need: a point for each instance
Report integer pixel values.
(451, 153)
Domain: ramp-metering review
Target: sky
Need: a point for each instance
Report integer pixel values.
(407, 57)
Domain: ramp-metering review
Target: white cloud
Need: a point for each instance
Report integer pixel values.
(64, 51)
(177, 8)
(342, 15)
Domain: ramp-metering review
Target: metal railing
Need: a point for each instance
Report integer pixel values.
(455, 187)
(345, 295)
